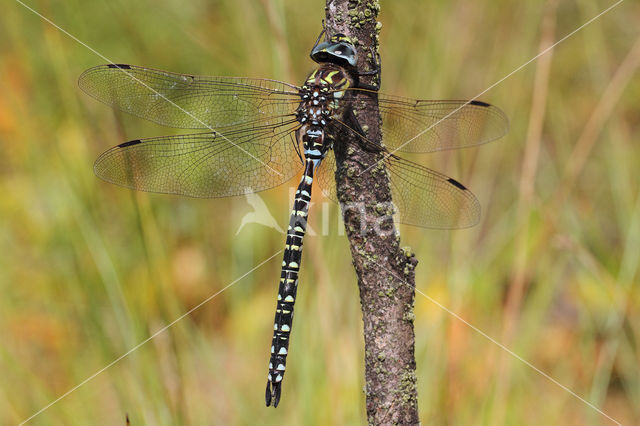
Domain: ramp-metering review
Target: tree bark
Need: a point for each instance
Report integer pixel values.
(386, 273)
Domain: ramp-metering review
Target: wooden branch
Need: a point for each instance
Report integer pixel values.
(386, 273)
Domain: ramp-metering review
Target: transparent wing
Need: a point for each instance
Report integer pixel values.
(209, 164)
(187, 101)
(430, 199)
(422, 197)
(325, 176)
(410, 125)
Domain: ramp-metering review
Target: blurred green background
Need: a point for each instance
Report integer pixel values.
(88, 270)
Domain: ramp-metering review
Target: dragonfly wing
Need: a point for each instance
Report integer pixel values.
(325, 176)
(411, 125)
(422, 197)
(205, 165)
(188, 101)
(429, 199)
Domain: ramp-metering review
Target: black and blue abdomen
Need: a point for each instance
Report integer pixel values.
(322, 99)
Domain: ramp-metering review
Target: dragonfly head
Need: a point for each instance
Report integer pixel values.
(339, 50)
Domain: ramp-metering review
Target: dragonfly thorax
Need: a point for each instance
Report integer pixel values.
(323, 99)
(322, 94)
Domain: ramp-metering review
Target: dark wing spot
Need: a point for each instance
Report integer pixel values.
(125, 144)
(121, 66)
(456, 184)
(479, 103)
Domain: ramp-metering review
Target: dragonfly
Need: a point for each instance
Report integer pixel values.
(255, 134)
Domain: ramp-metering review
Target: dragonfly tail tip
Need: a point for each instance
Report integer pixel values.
(272, 394)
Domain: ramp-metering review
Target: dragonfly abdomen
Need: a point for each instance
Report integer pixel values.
(320, 102)
(289, 284)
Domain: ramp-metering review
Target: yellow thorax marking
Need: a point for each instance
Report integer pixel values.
(312, 77)
(330, 75)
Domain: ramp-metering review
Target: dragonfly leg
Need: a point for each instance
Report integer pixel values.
(296, 146)
(375, 72)
(356, 128)
(324, 31)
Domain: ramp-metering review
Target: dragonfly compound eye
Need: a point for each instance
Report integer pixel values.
(338, 50)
